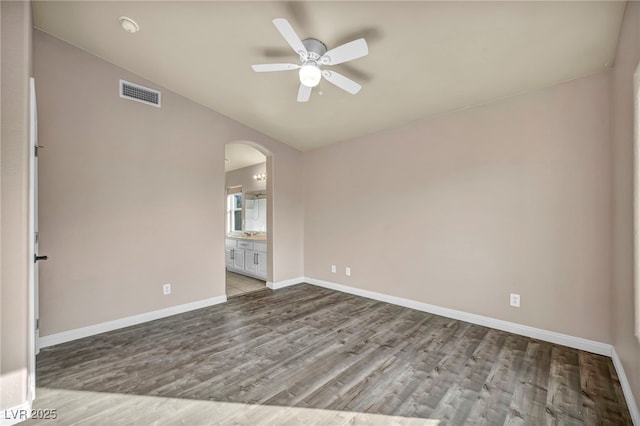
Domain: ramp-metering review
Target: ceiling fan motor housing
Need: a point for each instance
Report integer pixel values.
(316, 48)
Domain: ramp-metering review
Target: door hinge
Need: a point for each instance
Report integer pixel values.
(37, 148)
(38, 324)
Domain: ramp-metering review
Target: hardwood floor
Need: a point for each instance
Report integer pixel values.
(306, 352)
(237, 284)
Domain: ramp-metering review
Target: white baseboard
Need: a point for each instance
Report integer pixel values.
(524, 330)
(17, 414)
(285, 283)
(626, 388)
(78, 333)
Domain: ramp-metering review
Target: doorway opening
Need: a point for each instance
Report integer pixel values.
(247, 208)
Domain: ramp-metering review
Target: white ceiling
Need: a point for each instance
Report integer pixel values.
(239, 155)
(425, 58)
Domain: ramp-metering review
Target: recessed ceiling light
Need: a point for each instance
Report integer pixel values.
(128, 24)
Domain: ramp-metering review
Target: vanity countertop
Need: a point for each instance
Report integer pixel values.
(239, 236)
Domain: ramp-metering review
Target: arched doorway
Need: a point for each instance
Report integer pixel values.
(248, 204)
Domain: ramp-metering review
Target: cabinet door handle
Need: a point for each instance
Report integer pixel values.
(255, 260)
(232, 254)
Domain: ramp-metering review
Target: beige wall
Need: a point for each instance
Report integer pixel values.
(285, 230)
(460, 210)
(627, 58)
(244, 177)
(132, 196)
(14, 152)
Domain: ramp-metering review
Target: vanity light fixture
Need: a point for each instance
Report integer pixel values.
(260, 176)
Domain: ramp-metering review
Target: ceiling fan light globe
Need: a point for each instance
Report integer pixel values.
(310, 75)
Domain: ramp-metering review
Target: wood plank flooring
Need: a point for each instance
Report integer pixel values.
(288, 353)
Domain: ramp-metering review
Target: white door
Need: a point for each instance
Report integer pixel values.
(34, 317)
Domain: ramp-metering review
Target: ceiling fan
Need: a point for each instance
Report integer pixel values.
(313, 55)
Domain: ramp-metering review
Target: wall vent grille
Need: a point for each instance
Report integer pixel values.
(138, 93)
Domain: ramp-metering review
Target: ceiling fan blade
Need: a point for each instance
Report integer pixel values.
(347, 52)
(291, 37)
(304, 93)
(341, 81)
(274, 67)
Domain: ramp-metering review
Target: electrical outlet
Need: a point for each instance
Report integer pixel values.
(333, 268)
(514, 300)
(166, 289)
(348, 271)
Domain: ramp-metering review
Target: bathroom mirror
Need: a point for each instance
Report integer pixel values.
(255, 211)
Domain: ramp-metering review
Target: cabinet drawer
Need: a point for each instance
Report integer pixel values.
(245, 244)
(261, 247)
(230, 242)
